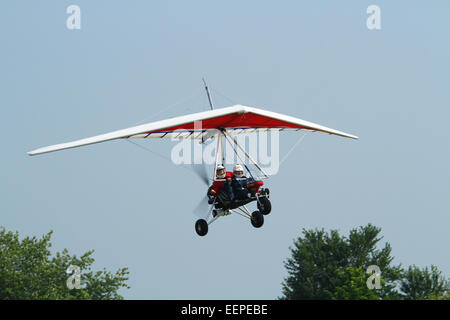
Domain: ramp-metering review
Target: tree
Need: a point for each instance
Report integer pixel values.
(351, 284)
(419, 284)
(28, 271)
(444, 296)
(321, 265)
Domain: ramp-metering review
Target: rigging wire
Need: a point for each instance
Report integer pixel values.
(246, 154)
(223, 96)
(293, 147)
(235, 151)
(196, 94)
(147, 149)
(184, 166)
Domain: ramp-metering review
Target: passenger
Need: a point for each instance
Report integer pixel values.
(239, 183)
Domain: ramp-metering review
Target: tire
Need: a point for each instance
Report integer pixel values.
(201, 227)
(264, 205)
(265, 191)
(257, 219)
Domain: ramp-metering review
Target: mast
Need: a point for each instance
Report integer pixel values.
(207, 93)
(222, 144)
(220, 136)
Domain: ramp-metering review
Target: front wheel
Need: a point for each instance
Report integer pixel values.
(201, 227)
(264, 205)
(257, 219)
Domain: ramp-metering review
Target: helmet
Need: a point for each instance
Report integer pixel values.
(220, 172)
(238, 170)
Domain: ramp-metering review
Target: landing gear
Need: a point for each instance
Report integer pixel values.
(257, 219)
(201, 227)
(220, 209)
(264, 205)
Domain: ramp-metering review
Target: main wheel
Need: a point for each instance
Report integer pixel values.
(201, 227)
(257, 219)
(264, 205)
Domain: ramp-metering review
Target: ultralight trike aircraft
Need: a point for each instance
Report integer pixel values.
(220, 124)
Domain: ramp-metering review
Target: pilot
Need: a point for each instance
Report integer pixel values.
(222, 184)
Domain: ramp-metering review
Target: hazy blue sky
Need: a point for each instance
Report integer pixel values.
(316, 61)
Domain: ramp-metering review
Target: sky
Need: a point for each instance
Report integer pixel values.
(140, 61)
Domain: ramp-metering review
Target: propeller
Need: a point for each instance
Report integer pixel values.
(201, 171)
(202, 208)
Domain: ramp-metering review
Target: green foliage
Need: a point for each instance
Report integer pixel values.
(321, 264)
(419, 284)
(444, 296)
(350, 284)
(28, 271)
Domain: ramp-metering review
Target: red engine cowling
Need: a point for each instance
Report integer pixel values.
(254, 186)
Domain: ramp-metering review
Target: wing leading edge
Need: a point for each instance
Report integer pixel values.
(237, 119)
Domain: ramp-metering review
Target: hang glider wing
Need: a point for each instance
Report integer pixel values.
(203, 125)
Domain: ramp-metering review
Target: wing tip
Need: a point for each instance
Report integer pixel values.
(36, 152)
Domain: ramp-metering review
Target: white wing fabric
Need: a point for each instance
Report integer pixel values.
(235, 120)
